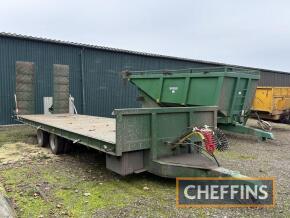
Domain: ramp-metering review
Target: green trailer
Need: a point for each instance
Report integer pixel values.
(231, 89)
(137, 139)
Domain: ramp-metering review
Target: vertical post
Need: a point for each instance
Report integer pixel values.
(154, 148)
(247, 103)
(83, 82)
(160, 90)
(218, 90)
(186, 90)
(190, 118)
(234, 96)
(119, 134)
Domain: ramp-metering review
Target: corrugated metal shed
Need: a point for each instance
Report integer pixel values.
(102, 89)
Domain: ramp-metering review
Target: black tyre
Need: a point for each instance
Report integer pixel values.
(56, 144)
(42, 138)
(221, 140)
(67, 146)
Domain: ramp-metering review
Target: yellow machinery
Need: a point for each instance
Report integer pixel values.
(273, 103)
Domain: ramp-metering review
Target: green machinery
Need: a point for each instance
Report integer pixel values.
(170, 136)
(231, 89)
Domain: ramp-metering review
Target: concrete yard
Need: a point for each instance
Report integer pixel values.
(77, 184)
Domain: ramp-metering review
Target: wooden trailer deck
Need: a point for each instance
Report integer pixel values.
(100, 128)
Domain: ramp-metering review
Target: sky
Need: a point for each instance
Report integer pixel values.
(253, 33)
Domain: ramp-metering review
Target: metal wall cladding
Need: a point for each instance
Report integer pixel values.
(274, 79)
(43, 55)
(104, 88)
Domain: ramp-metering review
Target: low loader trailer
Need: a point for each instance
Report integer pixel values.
(166, 141)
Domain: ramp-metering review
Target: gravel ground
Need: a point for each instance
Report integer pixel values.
(78, 185)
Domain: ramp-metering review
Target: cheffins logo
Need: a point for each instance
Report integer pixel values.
(225, 192)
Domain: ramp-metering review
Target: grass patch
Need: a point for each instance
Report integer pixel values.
(117, 193)
(66, 192)
(27, 187)
(21, 186)
(15, 134)
(91, 196)
(32, 206)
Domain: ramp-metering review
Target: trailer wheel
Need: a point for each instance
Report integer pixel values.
(67, 146)
(56, 144)
(42, 138)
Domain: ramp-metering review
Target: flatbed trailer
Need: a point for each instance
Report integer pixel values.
(136, 140)
(92, 131)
